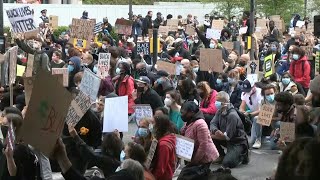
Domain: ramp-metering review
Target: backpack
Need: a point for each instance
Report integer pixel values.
(246, 121)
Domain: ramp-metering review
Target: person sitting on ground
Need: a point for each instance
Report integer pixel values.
(172, 102)
(228, 131)
(143, 135)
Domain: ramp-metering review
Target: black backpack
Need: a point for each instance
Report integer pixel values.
(246, 121)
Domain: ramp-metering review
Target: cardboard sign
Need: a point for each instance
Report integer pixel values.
(28, 86)
(190, 30)
(266, 114)
(123, 26)
(13, 52)
(21, 19)
(268, 65)
(287, 131)
(173, 24)
(143, 47)
(213, 34)
(45, 116)
(228, 45)
(217, 24)
(163, 30)
(32, 35)
(317, 63)
(90, 84)
(20, 70)
(151, 153)
(184, 147)
(54, 22)
(116, 118)
(103, 65)
(78, 107)
(262, 23)
(29, 70)
(142, 111)
(166, 66)
(64, 72)
(79, 43)
(82, 29)
(211, 58)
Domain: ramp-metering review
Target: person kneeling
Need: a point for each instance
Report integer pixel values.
(228, 131)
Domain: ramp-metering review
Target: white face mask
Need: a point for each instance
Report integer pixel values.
(104, 46)
(168, 102)
(196, 41)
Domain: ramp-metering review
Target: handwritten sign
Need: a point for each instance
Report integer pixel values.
(64, 72)
(82, 28)
(142, 111)
(151, 153)
(217, 24)
(211, 58)
(21, 19)
(143, 47)
(45, 116)
(90, 84)
(163, 30)
(166, 66)
(13, 64)
(53, 21)
(103, 65)
(78, 107)
(116, 118)
(268, 65)
(29, 70)
(266, 114)
(184, 147)
(287, 131)
(213, 34)
(173, 24)
(190, 30)
(123, 26)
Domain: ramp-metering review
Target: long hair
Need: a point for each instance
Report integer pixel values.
(163, 126)
(112, 145)
(204, 86)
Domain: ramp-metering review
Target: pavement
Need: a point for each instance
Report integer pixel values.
(262, 163)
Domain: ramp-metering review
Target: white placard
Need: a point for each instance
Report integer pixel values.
(116, 114)
(78, 107)
(21, 19)
(252, 78)
(142, 111)
(90, 84)
(213, 34)
(300, 24)
(243, 30)
(103, 65)
(184, 147)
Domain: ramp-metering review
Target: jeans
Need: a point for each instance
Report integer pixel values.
(235, 153)
(256, 130)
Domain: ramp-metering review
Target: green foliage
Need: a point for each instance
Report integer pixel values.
(59, 30)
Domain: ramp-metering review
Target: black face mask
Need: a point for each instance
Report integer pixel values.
(143, 72)
(315, 102)
(242, 63)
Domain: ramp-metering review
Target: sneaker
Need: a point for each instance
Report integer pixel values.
(257, 145)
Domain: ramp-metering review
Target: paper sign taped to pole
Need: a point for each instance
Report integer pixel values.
(21, 19)
(211, 59)
(90, 84)
(166, 66)
(287, 131)
(266, 114)
(142, 111)
(184, 147)
(65, 74)
(78, 107)
(103, 65)
(116, 114)
(46, 113)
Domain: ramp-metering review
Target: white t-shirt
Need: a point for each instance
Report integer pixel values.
(255, 99)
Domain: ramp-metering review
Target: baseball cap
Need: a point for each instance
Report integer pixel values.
(246, 86)
(143, 79)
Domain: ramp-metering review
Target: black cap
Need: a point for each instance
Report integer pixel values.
(43, 11)
(159, 13)
(162, 73)
(246, 86)
(143, 79)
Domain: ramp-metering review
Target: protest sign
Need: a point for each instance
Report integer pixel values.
(211, 59)
(300, 24)
(151, 153)
(80, 43)
(190, 30)
(123, 26)
(97, 28)
(262, 23)
(173, 24)
(90, 84)
(163, 30)
(228, 45)
(64, 72)
(217, 24)
(116, 118)
(82, 29)
(166, 66)
(28, 85)
(103, 65)
(54, 22)
(78, 107)
(143, 47)
(213, 34)
(33, 35)
(317, 63)
(243, 30)
(184, 21)
(184, 147)
(266, 114)
(21, 19)
(268, 65)
(46, 113)
(13, 52)
(252, 78)
(287, 131)
(142, 111)
(20, 70)
(29, 69)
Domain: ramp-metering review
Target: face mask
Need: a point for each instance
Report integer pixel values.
(219, 81)
(195, 70)
(242, 63)
(104, 46)
(70, 68)
(168, 102)
(159, 81)
(95, 70)
(212, 46)
(270, 98)
(286, 81)
(218, 104)
(140, 89)
(122, 156)
(118, 71)
(151, 128)
(143, 72)
(295, 57)
(273, 49)
(196, 41)
(143, 132)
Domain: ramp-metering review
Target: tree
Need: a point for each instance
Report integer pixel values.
(228, 8)
(314, 6)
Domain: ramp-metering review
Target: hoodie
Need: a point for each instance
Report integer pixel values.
(165, 158)
(204, 150)
(77, 67)
(300, 71)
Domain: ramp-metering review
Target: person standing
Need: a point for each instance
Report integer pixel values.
(44, 16)
(147, 23)
(158, 21)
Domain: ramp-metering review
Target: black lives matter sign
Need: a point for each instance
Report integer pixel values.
(143, 47)
(21, 19)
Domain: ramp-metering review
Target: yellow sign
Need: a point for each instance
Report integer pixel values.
(268, 65)
(20, 70)
(80, 43)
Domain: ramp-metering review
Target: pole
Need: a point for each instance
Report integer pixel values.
(1, 18)
(251, 30)
(305, 8)
(155, 47)
(130, 10)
